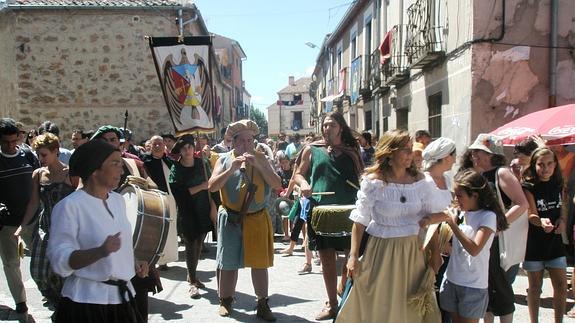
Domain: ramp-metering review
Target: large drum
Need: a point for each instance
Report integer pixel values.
(332, 220)
(148, 212)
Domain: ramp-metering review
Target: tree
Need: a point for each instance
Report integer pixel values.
(260, 119)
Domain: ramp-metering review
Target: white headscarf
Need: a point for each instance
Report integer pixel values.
(436, 150)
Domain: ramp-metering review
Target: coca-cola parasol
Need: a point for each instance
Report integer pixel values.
(556, 125)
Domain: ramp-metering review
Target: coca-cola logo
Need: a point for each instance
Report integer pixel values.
(562, 130)
(515, 131)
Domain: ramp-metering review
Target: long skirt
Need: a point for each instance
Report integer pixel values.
(72, 312)
(393, 284)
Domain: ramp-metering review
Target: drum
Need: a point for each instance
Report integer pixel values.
(148, 212)
(332, 220)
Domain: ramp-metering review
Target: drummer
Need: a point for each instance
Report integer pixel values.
(245, 236)
(132, 166)
(331, 164)
(90, 242)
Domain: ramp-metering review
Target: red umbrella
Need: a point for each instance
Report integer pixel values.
(557, 125)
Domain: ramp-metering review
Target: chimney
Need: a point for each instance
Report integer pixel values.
(291, 80)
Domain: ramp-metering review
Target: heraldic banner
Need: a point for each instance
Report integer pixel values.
(183, 67)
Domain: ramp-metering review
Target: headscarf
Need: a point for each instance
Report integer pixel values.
(89, 157)
(104, 129)
(437, 150)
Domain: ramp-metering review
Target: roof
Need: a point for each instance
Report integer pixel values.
(90, 3)
(301, 85)
(220, 40)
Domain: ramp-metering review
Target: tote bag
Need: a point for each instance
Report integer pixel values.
(513, 241)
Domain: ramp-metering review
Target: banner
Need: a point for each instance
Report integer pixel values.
(355, 79)
(185, 78)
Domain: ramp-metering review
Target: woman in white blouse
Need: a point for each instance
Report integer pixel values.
(391, 281)
(91, 242)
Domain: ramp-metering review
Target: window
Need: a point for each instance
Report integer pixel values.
(385, 124)
(367, 118)
(367, 37)
(339, 59)
(353, 46)
(297, 98)
(401, 116)
(297, 121)
(434, 103)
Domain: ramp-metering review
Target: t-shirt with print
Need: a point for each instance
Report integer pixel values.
(464, 269)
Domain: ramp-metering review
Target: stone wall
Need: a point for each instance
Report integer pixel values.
(85, 68)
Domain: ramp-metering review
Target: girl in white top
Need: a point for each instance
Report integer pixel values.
(463, 292)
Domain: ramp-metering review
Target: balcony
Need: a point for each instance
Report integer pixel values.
(396, 68)
(425, 44)
(373, 73)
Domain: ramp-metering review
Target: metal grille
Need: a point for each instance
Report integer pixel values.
(434, 103)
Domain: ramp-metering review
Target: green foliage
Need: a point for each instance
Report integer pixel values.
(260, 119)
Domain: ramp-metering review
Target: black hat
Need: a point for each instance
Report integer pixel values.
(89, 157)
(181, 142)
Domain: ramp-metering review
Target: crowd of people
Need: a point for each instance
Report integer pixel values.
(423, 241)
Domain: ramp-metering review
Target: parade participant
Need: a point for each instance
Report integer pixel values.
(16, 167)
(366, 148)
(79, 137)
(190, 188)
(203, 148)
(32, 134)
(132, 166)
(391, 282)
(225, 145)
(91, 242)
(245, 237)
(49, 126)
(487, 156)
(330, 165)
(281, 143)
(544, 192)
(158, 165)
(50, 184)
(285, 173)
(464, 289)
(438, 159)
(418, 154)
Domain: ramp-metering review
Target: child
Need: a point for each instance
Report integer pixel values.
(544, 189)
(463, 292)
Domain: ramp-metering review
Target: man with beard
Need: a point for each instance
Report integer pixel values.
(332, 164)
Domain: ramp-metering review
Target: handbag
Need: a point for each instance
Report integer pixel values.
(513, 241)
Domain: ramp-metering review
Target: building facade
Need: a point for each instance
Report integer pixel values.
(83, 65)
(292, 111)
(454, 67)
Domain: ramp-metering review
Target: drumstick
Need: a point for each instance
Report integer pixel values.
(352, 184)
(323, 193)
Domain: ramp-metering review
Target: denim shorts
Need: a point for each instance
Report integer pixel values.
(557, 263)
(467, 302)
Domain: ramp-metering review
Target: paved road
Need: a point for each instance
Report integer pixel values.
(293, 298)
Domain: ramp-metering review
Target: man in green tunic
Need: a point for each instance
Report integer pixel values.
(330, 165)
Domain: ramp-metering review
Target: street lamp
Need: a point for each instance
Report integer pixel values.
(310, 44)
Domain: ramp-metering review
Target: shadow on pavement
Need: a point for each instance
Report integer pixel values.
(8, 314)
(168, 310)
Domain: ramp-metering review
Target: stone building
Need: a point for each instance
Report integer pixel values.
(83, 64)
(454, 67)
(292, 111)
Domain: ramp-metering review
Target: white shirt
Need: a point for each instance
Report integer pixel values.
(379, 207)
(463, 269)
(79, 222)
(441, 197)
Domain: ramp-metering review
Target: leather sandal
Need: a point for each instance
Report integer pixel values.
(327, 313)
(305, 269)
(194, 292)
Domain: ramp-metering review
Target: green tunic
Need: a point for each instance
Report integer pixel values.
(330, 173)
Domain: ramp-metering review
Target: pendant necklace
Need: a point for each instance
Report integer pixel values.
(402, 198)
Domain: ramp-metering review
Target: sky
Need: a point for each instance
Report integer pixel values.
(273, 34)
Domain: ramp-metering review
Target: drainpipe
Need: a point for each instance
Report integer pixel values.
(375, 113)
(182, 23)
(553, 54)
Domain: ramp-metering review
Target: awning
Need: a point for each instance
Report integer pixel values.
(330, 98)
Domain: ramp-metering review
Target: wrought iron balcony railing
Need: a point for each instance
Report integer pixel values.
(425, 43)
(396, 68)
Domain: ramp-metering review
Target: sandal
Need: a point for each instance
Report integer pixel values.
(198, 284)
(327, 313)
(305, 269)
(194, 292)
(286, 252)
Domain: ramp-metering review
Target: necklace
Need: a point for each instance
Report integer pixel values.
(402, 198)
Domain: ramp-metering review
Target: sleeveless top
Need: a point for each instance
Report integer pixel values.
(330, 173)
(236, 186)
(50, 194)
(490, 176)
(540, 245)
